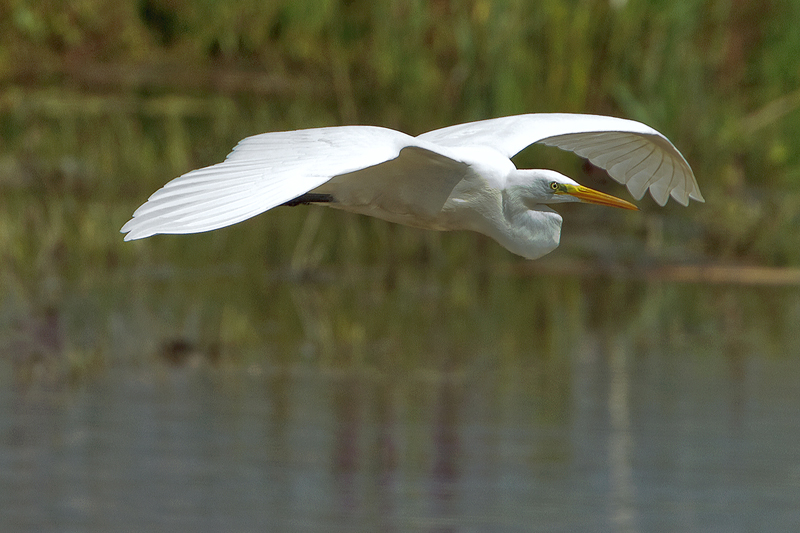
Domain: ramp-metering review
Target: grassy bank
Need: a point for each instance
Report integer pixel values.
(101, 103)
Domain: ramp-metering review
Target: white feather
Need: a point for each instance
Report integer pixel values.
(260, 173)
(459, 177)
(602, 140)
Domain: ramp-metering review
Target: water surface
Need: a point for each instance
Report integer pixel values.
(603, 433)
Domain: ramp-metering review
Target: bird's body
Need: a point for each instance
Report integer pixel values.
(455, 178)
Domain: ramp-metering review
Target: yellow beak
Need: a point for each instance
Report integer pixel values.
(585, 194)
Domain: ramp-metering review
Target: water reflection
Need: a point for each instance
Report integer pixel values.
(620, 442)
(609, 438)
(444, 474)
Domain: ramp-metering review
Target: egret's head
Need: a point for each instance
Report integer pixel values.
(550, 187)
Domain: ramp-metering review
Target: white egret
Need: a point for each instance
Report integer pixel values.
(455, 178)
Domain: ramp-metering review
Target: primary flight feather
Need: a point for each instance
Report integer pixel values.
(459, 177)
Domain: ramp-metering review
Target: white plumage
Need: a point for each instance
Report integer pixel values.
(459, 177)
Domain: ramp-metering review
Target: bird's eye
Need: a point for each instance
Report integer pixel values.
(554, 185)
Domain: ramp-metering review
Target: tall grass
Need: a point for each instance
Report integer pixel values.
(101, 103)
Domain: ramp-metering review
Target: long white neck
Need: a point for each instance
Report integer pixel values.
(525, 228)
(529, 232)
(507, 213)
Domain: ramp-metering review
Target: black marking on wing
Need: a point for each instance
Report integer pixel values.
(310, 198)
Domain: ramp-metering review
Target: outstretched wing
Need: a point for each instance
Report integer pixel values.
(631, 152)
(263, 172)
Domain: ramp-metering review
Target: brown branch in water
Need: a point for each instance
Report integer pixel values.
(743, 275)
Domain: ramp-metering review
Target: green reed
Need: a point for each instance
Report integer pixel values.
(113, 100)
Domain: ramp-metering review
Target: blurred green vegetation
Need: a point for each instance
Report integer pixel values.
(103, 102)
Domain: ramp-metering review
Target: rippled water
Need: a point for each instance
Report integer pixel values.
(609, 438)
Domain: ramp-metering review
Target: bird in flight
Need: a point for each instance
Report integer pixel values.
(455, 178)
